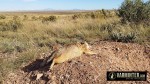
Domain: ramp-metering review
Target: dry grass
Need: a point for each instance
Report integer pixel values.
(35, 37)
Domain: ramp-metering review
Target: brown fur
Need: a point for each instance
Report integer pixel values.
(71, 51)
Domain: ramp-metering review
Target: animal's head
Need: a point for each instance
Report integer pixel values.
(86, 48)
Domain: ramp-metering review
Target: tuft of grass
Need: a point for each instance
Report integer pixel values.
(2, 17)
(9, 46)
(24, 58)
(119, 37)
(6, 66)
(49, 19)
(16, 18)
(10, 26)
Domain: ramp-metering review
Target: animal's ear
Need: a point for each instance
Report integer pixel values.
(86, 45)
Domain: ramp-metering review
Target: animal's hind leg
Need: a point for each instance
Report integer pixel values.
(53, 62)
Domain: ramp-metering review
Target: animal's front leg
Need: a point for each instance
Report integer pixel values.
(90, 53)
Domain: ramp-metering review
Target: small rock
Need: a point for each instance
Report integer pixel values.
(50, 77)
(39, 76)
(9, 82)
(67, 75)
(61, 77)
(117, 49)
(90, 62)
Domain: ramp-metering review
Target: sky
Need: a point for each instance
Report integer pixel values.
(13, 5)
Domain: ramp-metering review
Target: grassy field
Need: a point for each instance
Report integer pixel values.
(26, 36)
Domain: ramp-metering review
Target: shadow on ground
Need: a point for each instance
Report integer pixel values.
(35, 66)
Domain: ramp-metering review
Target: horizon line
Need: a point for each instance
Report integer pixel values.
(45, 10)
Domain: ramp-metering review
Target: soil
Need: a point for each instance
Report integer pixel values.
(89, 69)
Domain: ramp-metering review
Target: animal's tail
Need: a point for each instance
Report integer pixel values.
(48, 59)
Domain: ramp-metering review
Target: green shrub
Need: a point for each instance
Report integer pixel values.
(79, 15)
(2, 17)
(93, 15)
(25, 17)
(10, 26)
(49, 19)
(3, 26)
(74, 17)
(104, 13)
(41, 17)
(87, 15)
(34, 18)
(14, 25)
(107, 27)
(16, 18)
(119, 37)
(135, 11)
(98, 14)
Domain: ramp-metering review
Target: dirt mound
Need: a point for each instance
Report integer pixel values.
(89, 69)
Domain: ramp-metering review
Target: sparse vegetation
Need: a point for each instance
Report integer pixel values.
(2, 17)
(96, 14)
(25, 17)
(12, 25)
(16, 18)
(104, 13)
(49, 19)
(28, 39)
(41, 17)
(75, 16)
(34, 18)
(119, 37)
